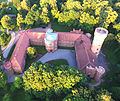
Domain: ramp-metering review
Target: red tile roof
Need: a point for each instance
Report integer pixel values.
(84, 55)
(19, 52)
(67, 36)
(34, 35)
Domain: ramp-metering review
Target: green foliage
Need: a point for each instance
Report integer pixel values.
(25, 4)
(3, 79)
(7, 22)
(93, 80)
(111, 49)
(88, 94)
(33, 15)
(2, 29)
(115, 92)
(42, 79)
(28, 97)
(31, 51)
(89, 13)
(103, 95)
(7, 97)
(60, 28)
(20, 20)
(18, 82)
(117, 26)
(5, 39)
(80, 93)
(10, 53)
(17, 4)
(1, 57)
(118, 37)
(7, 8)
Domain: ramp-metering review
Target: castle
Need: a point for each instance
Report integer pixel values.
(86, 53)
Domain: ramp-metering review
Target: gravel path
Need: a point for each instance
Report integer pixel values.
(14, 38)
(102, 61)
(66, 54)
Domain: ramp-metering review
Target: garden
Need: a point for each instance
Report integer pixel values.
(45, 82)
(64, 15)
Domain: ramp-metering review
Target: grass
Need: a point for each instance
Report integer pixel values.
(60, 28)
(71, 48)
(93, 81)
(3, 1)
(18, 95)
(10, 53)
(58, 62)
(40, 49)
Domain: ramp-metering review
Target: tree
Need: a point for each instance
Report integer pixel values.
(44, 15)
(43, 81)
(89, 13)
(33, 15)
(31, 51)
(25, 4)
(5, 38)
(20, 20)
(3, 79)
(18, 82)
(80, 94)
(17, 4)
(103, 95)
(1, 57)
(7, 23)
(7, 97)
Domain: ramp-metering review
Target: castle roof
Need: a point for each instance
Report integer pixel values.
(19, 52)
(84, 55)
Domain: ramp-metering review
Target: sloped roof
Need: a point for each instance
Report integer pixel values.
(68, 36)
(34, 35)
(20, 50)
(84, 55)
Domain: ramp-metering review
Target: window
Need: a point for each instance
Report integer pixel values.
(89, 73)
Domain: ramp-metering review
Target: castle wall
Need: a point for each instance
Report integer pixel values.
(37, 42)
(66, 43)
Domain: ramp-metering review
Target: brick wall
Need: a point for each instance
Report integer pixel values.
(66, 43)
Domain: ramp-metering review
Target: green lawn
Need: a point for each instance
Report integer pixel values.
(71, 48)
(58, 62)
(10, 53)
(3, 1)
(39, 49)
(60, 28)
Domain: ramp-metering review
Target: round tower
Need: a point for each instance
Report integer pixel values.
(99, 36)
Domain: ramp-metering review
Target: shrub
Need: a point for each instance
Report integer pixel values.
(44, 80)
(115, 93)
(31, 51)
(5, 39)
(7, 97)
(103, 95)
(18, 82)
(3, 79)
(7, 22)
(79, 94)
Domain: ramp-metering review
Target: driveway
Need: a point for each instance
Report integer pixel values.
(66, 54)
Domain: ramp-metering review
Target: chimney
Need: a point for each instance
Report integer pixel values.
(99, 36)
